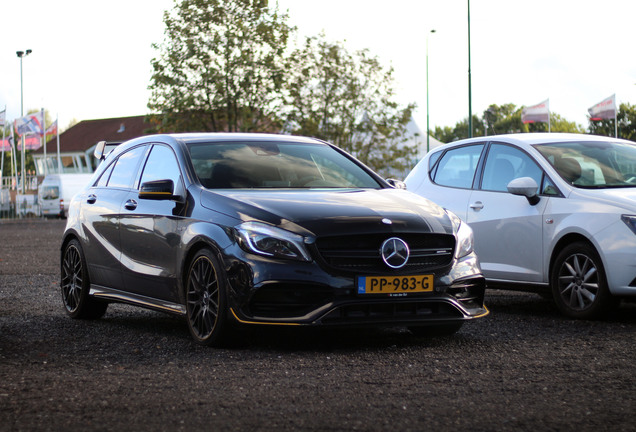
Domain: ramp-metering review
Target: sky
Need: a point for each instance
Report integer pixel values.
(91, 60)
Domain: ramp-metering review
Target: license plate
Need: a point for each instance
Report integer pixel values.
(395, 284)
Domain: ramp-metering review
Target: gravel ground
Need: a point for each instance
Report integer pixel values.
(523, 368)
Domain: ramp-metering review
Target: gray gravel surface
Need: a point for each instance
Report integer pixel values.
(523, 368)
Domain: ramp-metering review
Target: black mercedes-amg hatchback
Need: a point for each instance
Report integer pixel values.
(231, 229)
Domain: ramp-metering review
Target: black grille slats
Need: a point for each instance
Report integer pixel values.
(361, 253)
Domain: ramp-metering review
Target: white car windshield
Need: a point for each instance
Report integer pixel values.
(593, 165)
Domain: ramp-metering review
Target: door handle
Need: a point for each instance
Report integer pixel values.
(478, 205)
(131, 204)
(91, 199)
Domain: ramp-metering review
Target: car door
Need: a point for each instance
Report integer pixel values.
(508, 229)
(101, 216)
(150, 231)
(453, 177)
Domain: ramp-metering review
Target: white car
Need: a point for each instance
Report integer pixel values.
(549, 212)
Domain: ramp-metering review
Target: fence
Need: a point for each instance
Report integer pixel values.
(13, 203)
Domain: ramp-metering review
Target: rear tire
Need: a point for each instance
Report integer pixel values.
(206, 300)
(578, 282)
(75, 285)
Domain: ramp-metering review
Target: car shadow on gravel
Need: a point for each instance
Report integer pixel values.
(531, 305)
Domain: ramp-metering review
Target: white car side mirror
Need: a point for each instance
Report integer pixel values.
(525, 186)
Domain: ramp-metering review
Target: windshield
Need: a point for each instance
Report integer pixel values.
(241, 165)
(593, 165)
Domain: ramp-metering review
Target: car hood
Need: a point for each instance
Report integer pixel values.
(332, 212)
(620, 197)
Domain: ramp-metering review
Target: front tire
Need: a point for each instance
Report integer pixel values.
(75, 285)
(578, 282)
(206, 300)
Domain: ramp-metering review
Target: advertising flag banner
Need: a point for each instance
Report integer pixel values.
(30, 124)
(604, 110)
(52, 129)
(3, 115)
(31, 142)
(539, 113)
(5, 144)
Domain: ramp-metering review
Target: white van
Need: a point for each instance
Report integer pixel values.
(56, 190)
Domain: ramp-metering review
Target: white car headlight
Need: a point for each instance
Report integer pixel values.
(271, 241)
(464, 235)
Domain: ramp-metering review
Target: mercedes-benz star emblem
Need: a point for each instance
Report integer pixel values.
(395, 252)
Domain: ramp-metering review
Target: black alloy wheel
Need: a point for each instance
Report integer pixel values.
(206, 308)
(579, 286)
(75, 285)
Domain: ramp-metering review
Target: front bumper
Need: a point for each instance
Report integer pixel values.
(266, 292)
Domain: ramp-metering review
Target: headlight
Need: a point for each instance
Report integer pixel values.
(464, 235)
(271, 241)
(630, 221)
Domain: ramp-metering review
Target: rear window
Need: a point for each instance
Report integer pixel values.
(50, 192)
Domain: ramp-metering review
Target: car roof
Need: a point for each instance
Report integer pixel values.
(239, 136)
(538, 138)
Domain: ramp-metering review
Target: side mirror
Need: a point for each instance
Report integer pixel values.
(99, 150)
(157, 190)
(397, 184)
(525, 186)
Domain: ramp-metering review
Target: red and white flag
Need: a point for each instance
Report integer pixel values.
(539, 113)
(604, 110)
(52, 129)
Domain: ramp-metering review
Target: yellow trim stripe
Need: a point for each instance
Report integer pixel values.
(261, 322)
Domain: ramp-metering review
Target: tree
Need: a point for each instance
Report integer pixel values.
(219, 67)
(626, 118)
(503, 119)
(347, 99)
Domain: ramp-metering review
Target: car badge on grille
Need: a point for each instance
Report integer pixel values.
(386, 221)
(395, 252)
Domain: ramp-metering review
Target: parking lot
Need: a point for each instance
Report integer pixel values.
(524, 367)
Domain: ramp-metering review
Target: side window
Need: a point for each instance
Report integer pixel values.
(506, 163)
(457, 167)
(103, 179)
(161, 165)
(123, 174)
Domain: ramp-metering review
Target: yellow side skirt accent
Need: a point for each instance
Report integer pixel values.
(261, 322)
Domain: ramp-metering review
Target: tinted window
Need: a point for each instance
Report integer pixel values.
(123, 174)
(161, 165)
(505, 163)
(457, 167)
(276, 165)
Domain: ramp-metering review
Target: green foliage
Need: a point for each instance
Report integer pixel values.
(220, 66)
(626, 118)
(347, 99)
(503, 119)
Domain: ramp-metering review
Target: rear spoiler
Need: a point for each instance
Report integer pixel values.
(104, 147)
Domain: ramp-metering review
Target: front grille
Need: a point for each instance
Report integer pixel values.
(392, 312)
(361, 253)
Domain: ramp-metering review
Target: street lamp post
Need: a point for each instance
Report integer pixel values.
(21, 55)
(428, 129)
(470, 102)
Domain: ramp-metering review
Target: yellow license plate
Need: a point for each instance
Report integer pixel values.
(394, 284)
